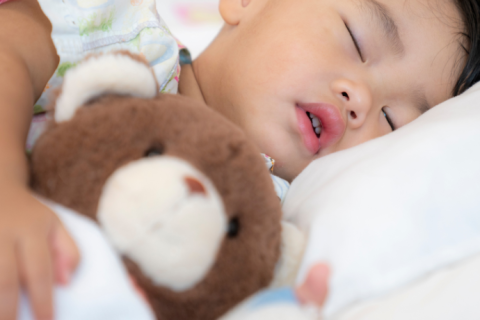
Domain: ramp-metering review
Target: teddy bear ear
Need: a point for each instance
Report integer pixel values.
(118, 73)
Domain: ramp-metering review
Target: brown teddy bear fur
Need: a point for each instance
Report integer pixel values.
(72, 161)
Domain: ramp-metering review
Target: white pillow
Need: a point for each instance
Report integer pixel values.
(394, 209)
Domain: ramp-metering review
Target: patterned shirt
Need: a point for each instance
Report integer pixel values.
(83, 27)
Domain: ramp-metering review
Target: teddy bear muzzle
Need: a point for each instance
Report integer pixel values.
(167, 217)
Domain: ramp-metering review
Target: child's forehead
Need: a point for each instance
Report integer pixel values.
(425, 9)
(392, 14)
(400, 19)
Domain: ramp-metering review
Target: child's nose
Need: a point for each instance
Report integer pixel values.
(356, 98)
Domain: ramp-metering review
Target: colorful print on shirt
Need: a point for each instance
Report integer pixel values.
(83, 27)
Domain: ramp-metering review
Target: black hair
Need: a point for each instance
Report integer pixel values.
(470, 11)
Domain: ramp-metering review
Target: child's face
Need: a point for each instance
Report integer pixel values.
(278, 59)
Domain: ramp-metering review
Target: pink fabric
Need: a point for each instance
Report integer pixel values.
(3, 1)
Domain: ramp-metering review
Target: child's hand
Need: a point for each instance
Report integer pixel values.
(35, 251)
(34, 247)
(314, 289)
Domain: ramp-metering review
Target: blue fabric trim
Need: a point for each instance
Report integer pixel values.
(275, 296)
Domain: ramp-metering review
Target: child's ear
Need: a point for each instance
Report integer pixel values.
(232, 11)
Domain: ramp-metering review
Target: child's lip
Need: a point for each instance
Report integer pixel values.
(333, 125)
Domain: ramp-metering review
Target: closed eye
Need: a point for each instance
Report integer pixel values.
(390, 123)
(355, 43)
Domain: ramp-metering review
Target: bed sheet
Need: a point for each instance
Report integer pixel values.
(450, 293)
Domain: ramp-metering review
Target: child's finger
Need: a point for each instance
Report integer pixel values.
(66, 255)
(9, 286)
(37, 275)
(314, 289)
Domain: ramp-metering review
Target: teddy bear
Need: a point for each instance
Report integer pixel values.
(180, 192)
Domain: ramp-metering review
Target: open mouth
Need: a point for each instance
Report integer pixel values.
(316, 124)
(320, 125)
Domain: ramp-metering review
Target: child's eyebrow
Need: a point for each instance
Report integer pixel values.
(382, 17)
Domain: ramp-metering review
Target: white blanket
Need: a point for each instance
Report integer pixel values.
(390, 211)
(100, 288)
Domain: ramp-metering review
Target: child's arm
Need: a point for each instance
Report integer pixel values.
(31, 237)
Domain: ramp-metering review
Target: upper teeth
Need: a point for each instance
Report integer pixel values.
(316, 123)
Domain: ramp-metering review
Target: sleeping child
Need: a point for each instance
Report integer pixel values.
(303, 79)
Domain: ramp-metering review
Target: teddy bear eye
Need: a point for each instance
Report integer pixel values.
(155, 151)
(233, 228)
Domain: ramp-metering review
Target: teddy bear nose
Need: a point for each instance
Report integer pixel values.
(195, 186)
